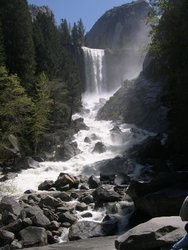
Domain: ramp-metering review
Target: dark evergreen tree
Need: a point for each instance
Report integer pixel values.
(2, 50)
(17, 30)
(42, 105)
(47, 45)
(65, 33)
(81, 33)
(169, 48)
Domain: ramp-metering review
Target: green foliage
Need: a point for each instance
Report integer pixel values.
(17, 30)
(46, 40)
(78, 34)
(2, 49)
(42, 105)
(15, 111)
(32, 106)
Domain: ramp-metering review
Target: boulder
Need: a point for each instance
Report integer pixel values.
(6, 237)
(84, 230)
(33, 236)
(66, 179)
(87, 140)
(153, 234)
(67, 217)
(93, 182)
(49, 202)
(79, 124)
(15, 226)
(99, 148)
(66, 151)
(64, 196)
(46, 185)
(105, 193)
(8, 217)
(10, 204)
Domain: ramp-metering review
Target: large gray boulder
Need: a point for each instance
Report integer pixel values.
(34, 236)
(85, 229)
(153, 234)
(11, 205)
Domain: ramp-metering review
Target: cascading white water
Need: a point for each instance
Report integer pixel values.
(99, 131)
(94, 70)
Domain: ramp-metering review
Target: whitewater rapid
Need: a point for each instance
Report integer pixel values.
(98, 131)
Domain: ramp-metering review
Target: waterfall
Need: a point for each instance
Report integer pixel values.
(94, 70)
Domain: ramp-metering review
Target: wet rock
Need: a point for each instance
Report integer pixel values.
(84, 187)
(99, 148)
(54, 225)
(67, 217)
(66, 151)
(86, 215)
(64, 196)
(6, 237)
(66, 207)
(8, 176)
(93, 182)
(84, 230)
(79, 125)
(86, 198)
(105, 193)
(49, 202)
(74, 195)
(81, 206)
(46, 185)
(66, 179)
(30, 191)
(33, 236)
(94, 137)
(87, 140)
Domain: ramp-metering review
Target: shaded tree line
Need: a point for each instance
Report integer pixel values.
(40, 85)
(169, 48)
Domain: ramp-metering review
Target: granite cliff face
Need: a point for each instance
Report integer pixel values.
(35, 10)
(122, 26)
(123, 34)
(138, 102)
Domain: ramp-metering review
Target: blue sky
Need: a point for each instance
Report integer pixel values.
(73, 10)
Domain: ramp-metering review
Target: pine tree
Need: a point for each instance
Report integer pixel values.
(81, 33)
(47, 45)
(17, 30)
(65, 33)
(41, 110)
(2, 50)
(15, 112)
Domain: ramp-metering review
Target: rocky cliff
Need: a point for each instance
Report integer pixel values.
(35, 10)
(123, 34)
(122, 26)
(138, 102)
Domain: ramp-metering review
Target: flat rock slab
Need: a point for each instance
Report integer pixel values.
(103, 243)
